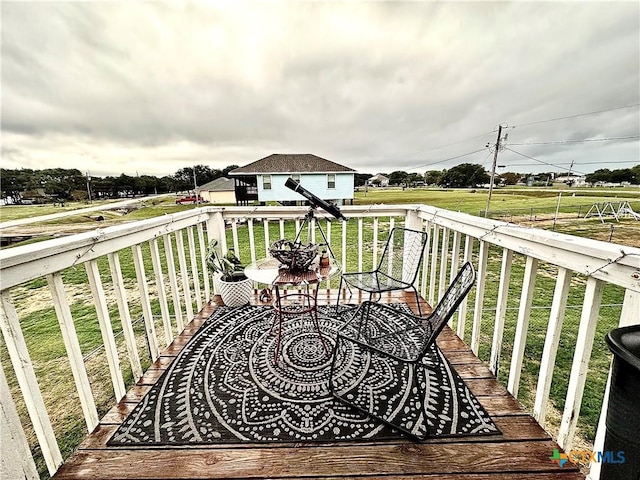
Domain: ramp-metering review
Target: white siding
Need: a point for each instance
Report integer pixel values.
(316, 183)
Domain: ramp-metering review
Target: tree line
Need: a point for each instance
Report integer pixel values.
(60, 184)
(473, 175)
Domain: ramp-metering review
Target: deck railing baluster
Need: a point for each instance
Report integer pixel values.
(125, 317)
(444, 258)
(161, 290)
(483, 258)
(580, 365)
(72, 345)
(433, 271)
(551, 342)
(17, 461)
(360, 243)
(455, 263)
(501, 310)
(147, 314)
(462, 311)
(184, 275)
(195, 274)
(173, 281)
(522, 325)
(102, 312)
(206, 275)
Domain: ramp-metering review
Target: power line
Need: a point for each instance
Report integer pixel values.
(446, 159)
(540, 161)
(558, 142)
(576, 115)
(583, 163)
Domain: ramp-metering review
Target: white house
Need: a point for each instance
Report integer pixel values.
(324, 178)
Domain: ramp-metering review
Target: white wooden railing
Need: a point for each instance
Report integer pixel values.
(171, 280)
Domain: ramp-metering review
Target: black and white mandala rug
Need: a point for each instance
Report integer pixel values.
(224, 387)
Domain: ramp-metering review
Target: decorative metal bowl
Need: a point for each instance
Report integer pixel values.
(294, 256)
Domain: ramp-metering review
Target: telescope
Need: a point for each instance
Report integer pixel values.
(314, 201)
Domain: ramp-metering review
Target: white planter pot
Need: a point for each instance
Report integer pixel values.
(235, 294)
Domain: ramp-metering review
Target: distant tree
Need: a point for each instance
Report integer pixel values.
(360, 179)
(510, 178)
(432, 177)
(413, 178)
(398, 177)
(226, 170)
(636, 174)
(464, 175)
(600, 175)
(622, 175)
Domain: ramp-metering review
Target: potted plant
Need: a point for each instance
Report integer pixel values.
(234, 287)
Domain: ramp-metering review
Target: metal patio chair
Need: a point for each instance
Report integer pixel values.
(398, 267)
(400, 340)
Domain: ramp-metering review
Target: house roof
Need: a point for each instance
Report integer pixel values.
(222, 184)
(379, 176)
(290, 163)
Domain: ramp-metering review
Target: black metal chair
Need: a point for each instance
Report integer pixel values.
(398, 267)
(402, 339)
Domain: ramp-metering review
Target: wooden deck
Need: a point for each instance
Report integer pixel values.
(521, 452)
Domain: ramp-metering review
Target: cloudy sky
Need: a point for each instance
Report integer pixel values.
(152, 87)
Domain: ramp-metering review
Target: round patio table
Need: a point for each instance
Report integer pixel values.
(288, 301)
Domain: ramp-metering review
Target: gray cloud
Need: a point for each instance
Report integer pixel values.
(154, 87)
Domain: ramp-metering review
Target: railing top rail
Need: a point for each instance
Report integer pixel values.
(57, 254)
(612, 263)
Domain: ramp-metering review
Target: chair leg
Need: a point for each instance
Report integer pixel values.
(339, 292)
(417, 300)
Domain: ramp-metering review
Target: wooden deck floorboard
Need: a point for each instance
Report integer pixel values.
(521, 451)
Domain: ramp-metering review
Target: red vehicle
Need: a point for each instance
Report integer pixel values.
(190, 199)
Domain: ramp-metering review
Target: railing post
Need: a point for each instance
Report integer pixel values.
(522, 325)
(16, 460)
(628, 316)
(23, 368)
(584, 345)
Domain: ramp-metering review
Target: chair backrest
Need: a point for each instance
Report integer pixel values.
(450, 301)
(402, 254)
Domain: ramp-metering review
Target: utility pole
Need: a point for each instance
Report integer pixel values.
(195, 186)
(493, 168)
(89, 188)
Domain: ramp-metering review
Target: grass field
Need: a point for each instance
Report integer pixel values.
(42, 332)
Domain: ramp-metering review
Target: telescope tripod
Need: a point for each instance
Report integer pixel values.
(309, 216)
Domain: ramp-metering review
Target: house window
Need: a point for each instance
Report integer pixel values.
(266, 182)
(296, 177)
(331, 180)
